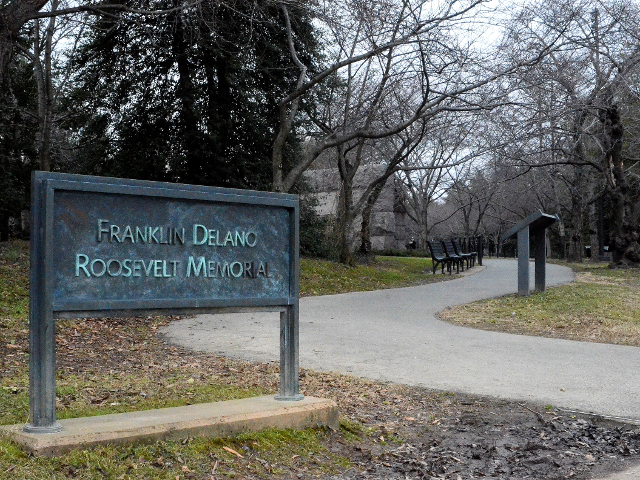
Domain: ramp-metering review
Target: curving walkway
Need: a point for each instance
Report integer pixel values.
(393, 335)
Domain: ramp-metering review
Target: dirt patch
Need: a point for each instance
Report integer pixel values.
(388, 431)
(463, 437)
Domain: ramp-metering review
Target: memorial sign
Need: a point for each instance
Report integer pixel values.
(113, 247)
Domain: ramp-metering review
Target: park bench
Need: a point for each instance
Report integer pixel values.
(451, 252)
(439, 257)
(470, 257)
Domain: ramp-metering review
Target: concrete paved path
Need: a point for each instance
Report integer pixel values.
(393, 335)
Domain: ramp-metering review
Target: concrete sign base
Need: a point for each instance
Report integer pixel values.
(219, 419)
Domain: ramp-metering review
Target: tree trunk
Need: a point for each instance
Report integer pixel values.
(6, 49)
(577, 224)
(600, 227)
(344, 226)
(578, 206)
(193, 169)
(12, 18)
(626, 233)
(4, 228)
(365, 230)
(345, 207)
(43, 75)
(346, 255)
(423, 223)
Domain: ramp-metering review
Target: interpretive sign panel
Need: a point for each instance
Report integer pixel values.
(534, 225)
(113, 247)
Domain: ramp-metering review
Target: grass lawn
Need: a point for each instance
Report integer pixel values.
(320, 277)
(602, 305)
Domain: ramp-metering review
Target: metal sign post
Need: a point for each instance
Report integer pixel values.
(105, 247)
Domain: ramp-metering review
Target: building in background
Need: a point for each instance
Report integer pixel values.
(389, 228)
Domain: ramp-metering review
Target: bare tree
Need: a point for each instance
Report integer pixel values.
(425, 174)
(392, 153)
(403, 38)
(13, 17)
(52, 68)
(392, 70)
(584, 80)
